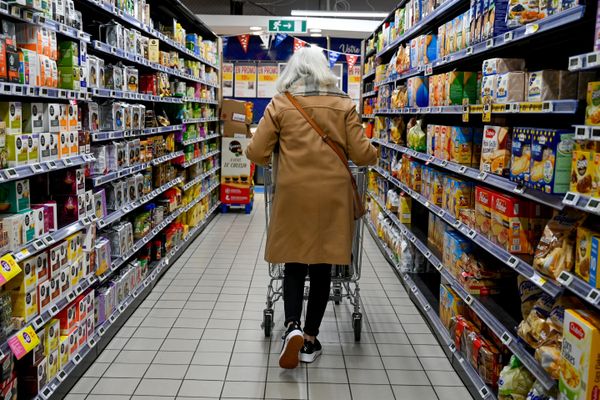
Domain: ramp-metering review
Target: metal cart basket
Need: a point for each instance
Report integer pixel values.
(344, 279)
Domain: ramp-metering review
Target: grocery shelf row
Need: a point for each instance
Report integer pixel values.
(368, 116)
(496, 181)
(111, 176)
(582, 202)
(199, 159)
(59, 386)
(123, 95)
(370, 94)
(104, 48)
(122, 134)
(198, 120)
(200, 178)
(522, 107)
(434, 322)
(200, 139)
(29, 170)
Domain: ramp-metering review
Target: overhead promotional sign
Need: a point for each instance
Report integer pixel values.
(267, 76)
(354, 82)
(287, 25)
(227, 79)
(245, 81)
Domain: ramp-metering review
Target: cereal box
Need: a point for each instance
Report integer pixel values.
(551, 155)
(520, 156)
(495, 150)
(510, 224)
(489, 83)
(450, 305)
(483, 210)
(437, 187)
(460, 196)
(595, 261)
(580, 356)
(583, 168)
(461, 145)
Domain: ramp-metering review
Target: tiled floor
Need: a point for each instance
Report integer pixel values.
(198, 334)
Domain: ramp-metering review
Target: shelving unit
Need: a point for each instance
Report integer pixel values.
(562, 113)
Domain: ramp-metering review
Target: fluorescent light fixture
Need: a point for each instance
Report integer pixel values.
(341, 14)
(257, 33)
(315, 35)
(256, 28)
(315, 30)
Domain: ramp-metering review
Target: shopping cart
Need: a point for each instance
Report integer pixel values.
(344, 280)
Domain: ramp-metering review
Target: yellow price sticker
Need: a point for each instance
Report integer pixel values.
(8, 268)
(23, 342)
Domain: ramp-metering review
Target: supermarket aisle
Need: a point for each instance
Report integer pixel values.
(198, 334)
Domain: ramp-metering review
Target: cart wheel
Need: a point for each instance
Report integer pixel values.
(357, 325)
(337, 295)
(267, 324)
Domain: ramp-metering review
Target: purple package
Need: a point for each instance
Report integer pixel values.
(50, 215)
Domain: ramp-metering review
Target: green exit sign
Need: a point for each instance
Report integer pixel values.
(287, 25)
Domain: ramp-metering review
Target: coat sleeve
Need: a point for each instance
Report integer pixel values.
(265, 138)
(360, 150)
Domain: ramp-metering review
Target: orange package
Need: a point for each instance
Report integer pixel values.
(510, 224)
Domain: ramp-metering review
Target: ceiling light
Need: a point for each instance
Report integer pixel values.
(315, 35)
(315, 30)
(344, 14)
(257, 33)
(256, 28)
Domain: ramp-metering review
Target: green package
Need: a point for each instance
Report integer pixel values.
(470, 90)
(455, 87)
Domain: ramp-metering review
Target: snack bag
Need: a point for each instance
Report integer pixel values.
(555, 251)
(417, 139)
(538, 392)
(515, 381)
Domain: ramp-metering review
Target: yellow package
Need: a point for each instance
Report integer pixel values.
(450, 305)
(583, 168)
(63, 351)
(583, 250)
(404, 208)
(592, 111)
(580, 371)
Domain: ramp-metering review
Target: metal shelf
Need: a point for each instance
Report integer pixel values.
(424, 24)
(198, 120)
(111, 176)
(128, 19)
(199, 159)
(120, 213)
(368, 75)
(370, 94)
(582, 202)
(524, 107)
(119, 261)
(499, 182)
(200, 178)
(522, 33)
(499, 253)
(511, 341)
(17, 89)
(203, 101)
(26, 171)
(134, 58)
(50, 391)
(368, 116)
(435, 323)
(110, 135)
(200, 139)
(120, 94)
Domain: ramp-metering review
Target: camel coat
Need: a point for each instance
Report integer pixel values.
(312, 216)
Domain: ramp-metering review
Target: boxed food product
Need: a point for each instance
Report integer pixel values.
(583, 252)
(33, 117)
(520, 158)
(17, 150)
(451, 305)
(455, 88)
(470, 90)
(551, 85)
(583, 168)
(495, 66)
(51, 117)
(235, 119)
(418, 95)
(510, 87)
(495, 150)
(510, 224)
(15, 196)
(461, 145)
(489, 84)
(33, 140)
(24, 305)
(483, 210)
(579, 373)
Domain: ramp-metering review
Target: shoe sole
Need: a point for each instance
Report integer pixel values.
(309, 358)
(289, 357)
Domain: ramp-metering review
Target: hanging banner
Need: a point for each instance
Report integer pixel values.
(244, 41)
(351, 60)
(245, 81)
(298, 44)
(354, 82)
(333, 57)
(267, 76)
(280, 37)
(225, 43)
(265, 38)
(227, 79)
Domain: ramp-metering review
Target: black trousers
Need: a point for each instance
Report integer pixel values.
(293, 294)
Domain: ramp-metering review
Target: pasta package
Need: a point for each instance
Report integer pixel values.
(579, 377)
(555, 251)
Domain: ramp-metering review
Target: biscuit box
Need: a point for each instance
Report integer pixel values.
(551, 156)
(579, 377)
(461, 145)
(495, 150)
(583, 252)
(450, 305)
(510, 87)
(583, 168)
(510, 224)
(520, 155)
(483, 210)
(455, 87)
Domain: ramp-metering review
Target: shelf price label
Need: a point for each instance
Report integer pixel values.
(465, 114)
(486, 116)
(23, 342)
(8, 268)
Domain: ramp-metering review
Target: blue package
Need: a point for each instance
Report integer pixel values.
(594, 262)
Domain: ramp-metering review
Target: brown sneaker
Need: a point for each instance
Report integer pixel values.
(293, 341)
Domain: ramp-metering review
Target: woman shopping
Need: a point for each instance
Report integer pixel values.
(317, 130)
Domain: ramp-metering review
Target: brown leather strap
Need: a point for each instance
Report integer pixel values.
(340, 153)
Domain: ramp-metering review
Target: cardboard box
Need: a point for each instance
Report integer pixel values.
(63, 351)
(510, 224)
(33, 117)
(52, 335)
(451, 305)
(33, 153)
(44, 296)
(17, 150)
(520, 157)
(551, 157)
(579, 373)
(24, 304)
(235, 121)
(583, 168)
(51, 117)
(11, 113)
(41, 265)
(483, 210)
(15, 196)
(496, 150)
(64, 148)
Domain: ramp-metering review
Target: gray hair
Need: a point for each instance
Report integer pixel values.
(307, 63)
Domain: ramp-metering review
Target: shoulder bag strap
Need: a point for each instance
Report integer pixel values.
(340, 153)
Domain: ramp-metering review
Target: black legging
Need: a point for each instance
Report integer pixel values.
(293, 294)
